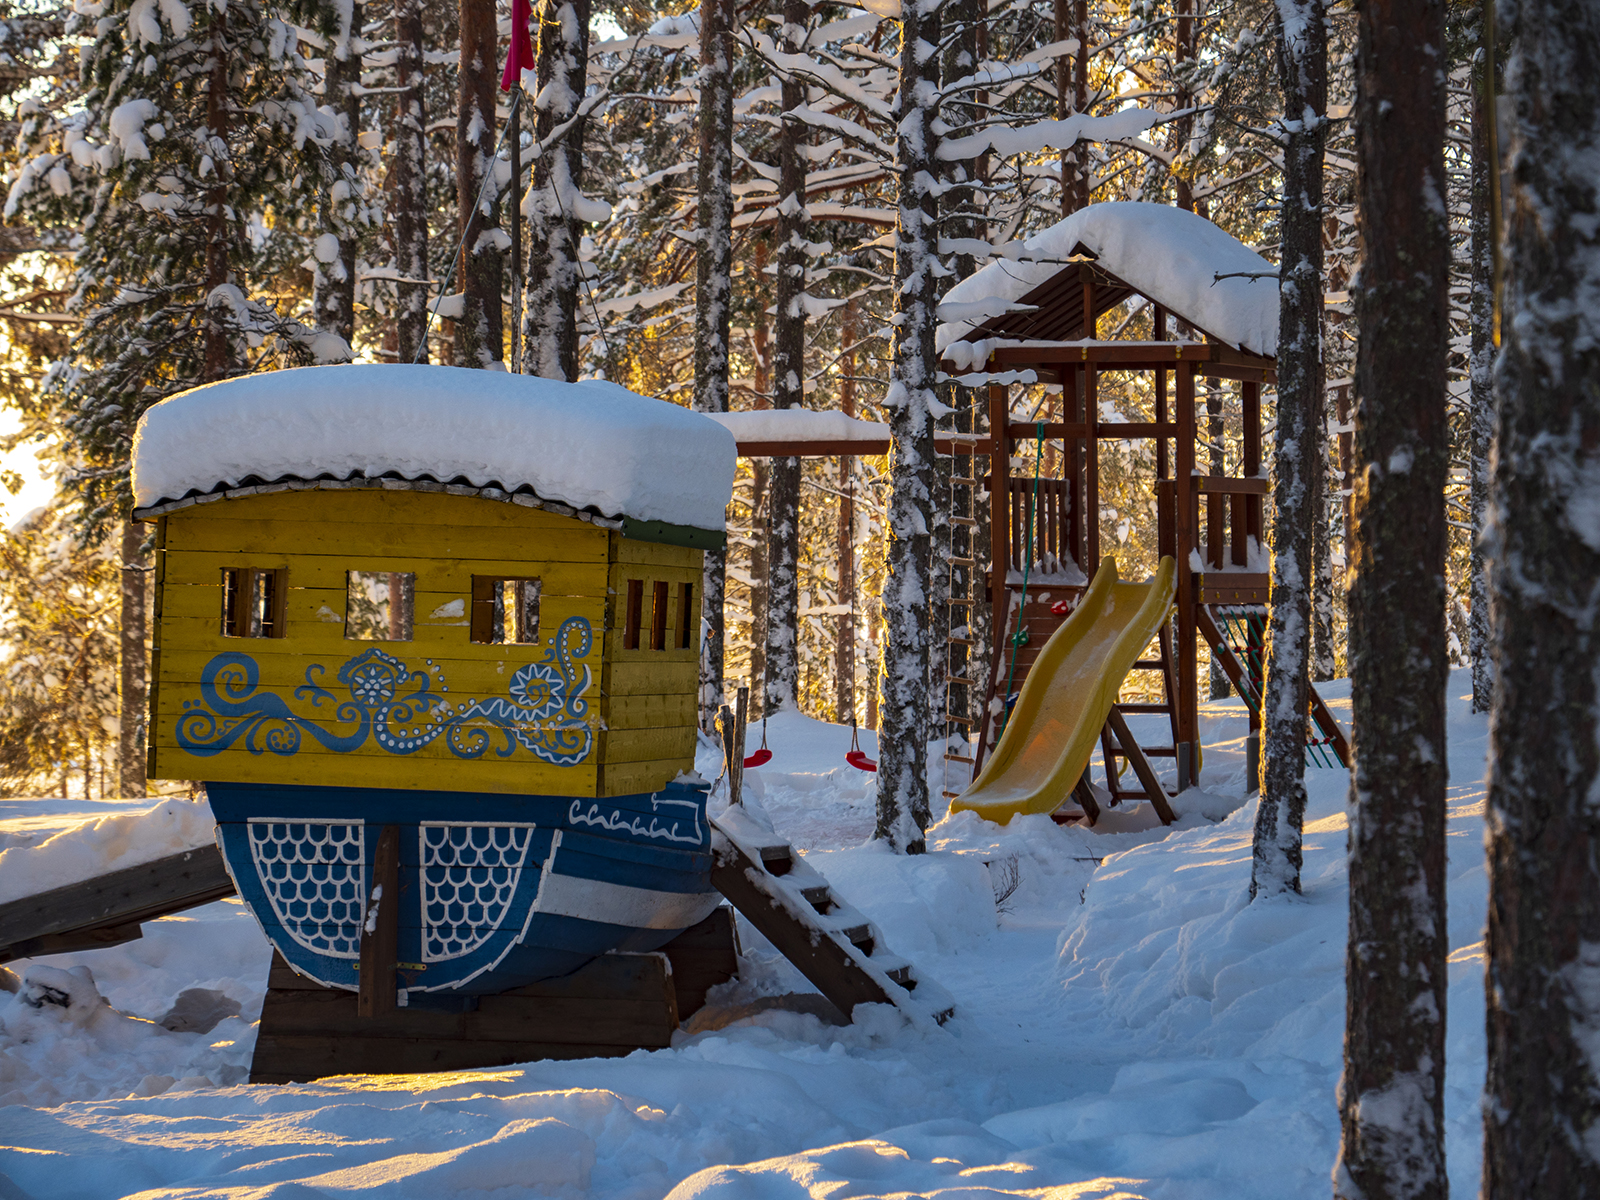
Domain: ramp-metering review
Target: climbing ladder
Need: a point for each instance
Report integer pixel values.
(793, 907)
(1237, 635)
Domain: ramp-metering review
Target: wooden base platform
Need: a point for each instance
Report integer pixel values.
(617, 1004)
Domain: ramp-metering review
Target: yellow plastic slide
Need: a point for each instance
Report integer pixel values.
(1068, 694)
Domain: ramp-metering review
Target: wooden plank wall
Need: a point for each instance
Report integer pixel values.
(319, 536)
(650, 691)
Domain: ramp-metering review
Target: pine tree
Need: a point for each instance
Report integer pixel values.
(407, 184)
(346, 211)
(1480, 373)
(1391, 1097)
(1542, 1101)
(479, 337)
(903, 685)
(714, 297)
(1297, 450)
(788, 379)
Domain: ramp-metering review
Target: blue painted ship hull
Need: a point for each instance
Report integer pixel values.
(496, 891)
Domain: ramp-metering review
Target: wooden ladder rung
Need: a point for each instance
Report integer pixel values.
(950, 716)
(949, 757)
(953, 602)
(962, 562)
(959, 679)
(972, 521)
(955, 641)
(963, 480)
(1145, 708)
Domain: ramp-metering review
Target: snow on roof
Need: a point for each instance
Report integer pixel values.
(799, 425)
(592, 445)
(1168, 254)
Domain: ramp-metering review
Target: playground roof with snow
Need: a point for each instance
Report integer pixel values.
(1180, 261)
(592, 447)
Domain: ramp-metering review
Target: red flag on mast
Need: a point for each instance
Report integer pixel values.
(520, 57)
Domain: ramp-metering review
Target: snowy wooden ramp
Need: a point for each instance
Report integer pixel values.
(833, 945)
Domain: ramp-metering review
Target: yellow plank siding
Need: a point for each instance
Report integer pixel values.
(629, 552)
(645, 745)
(376, 504)
(652, 675)
(627, 779)
(316, 626)
(581, 544)
(322, 769)
(204, 568)
(646, 712)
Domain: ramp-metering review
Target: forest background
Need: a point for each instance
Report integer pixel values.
(200, 190)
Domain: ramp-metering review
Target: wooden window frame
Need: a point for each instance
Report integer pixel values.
(238, 601)
(686, 620)
(480, 624)
(633, 615)
(659, 594)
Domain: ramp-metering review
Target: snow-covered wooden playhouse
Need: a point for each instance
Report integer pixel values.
(458, 604)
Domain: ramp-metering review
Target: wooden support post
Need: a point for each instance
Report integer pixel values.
(1083, 793)
(1091, 471)
(999, 506)
(1141, 767)
(1186, 516)
(1347, 470)
(1071, 395)
(1252, 454)
(380, 933)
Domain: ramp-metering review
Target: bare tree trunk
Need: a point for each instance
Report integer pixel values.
(714, 298)
(334, 298)
(218, 332)
(480, 338)
(556, 208)
(1480, 367)
(1072, 96)
(134, 688)
(1323, 663)
(904, 709)
(1542, 1102)
(788, 383)
(1391, 1098)
(760, 503)
(1183, 127)
(408, 193)
(844, 645)
(1296, 456)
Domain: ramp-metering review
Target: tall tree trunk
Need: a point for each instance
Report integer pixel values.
(134, 689)
(1542, 1105)
(218, 333)
(1324, 665)
(788, 382)
(904, 710)
(1183, 127)
(479, 334)
(556, 209)
(760, 503)
(1296, 457)
(844, 645)
(1480, 367)
(1391, 1099)
(714, 298)
(407, 183)
(334, 294)
(1072, 96)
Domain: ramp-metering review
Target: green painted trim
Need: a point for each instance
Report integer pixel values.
(673, 535)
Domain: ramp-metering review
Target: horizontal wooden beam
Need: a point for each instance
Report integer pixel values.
(821, 449)
(1231, 485)
(112, 902)
(1232, 587)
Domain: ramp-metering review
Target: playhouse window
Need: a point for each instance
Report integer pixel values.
(252, 602)
(634, 619)
(686, 616)
(378, 605)
(658, 616)
(505, 610)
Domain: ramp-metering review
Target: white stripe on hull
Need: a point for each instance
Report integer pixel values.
(619, 904)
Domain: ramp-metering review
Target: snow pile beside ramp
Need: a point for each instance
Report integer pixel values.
(593, 446)
(104, 844)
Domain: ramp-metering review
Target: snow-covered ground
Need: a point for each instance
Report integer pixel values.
(1128, 1026)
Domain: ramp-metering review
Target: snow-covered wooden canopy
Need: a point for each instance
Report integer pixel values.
(594, 449)
(1175, 259)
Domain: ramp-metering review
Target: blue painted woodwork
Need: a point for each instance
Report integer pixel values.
(496, 890)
